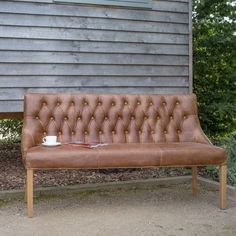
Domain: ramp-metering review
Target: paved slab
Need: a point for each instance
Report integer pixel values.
(160, 210)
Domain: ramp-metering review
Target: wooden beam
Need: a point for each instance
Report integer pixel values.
(223, 187)
(30, 174)
(11, 115)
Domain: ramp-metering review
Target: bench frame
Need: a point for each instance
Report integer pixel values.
(222, 187)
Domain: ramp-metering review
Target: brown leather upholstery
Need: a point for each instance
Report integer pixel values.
(142, 130)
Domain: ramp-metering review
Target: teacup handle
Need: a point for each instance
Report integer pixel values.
(44, 140)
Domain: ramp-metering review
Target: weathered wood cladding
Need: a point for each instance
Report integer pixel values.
(52, 47)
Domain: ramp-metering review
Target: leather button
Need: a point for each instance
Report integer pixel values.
(185, 117)
(52, 118)
(138, 103)
(178, 131)
(65, 118)
(58, 103)
(99, 103)
(44, 103)
(126, 103)
(150, 103)
(79, 118)
(171, 117)
(132, 117)
(92, 118)
(36, 117)
(140, 131)
(119, 117)
(72, 103)
(113, 131)
(158, 117)
(73, 132)
(152, 132)
(113, 104)
(177, 103)
(85, 132)
(85, 103)
(145, 117)
(106, 118)
(126, 131)
(165, 131)
(44, 133)
(59, 133)
(164, 103)
(100, 132)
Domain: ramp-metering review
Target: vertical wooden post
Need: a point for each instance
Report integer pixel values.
(30, 174)
(194, 180)
(223, 186)
(25, 192)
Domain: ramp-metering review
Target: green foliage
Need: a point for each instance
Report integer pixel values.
(214, 65)
(10, 130)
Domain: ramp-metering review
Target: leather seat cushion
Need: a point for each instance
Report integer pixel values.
(125, 155)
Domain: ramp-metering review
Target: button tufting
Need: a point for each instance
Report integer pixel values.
(165, 131)
(36, 117)
(152, 132)
(177, 103)
(44, 103)
(158, 117)
(185, 117)
(164, 103)
(132, 117)
(65, 118)
(85, 103)
(113, 131)
(72, 103)
(99, 103)
(85, 132)
(126, 131)
(59, 132)
(58, 103)
(73, 132)
(119, 117)
(171, 117)
(100, 132)
(126, 103)
(79, 118)
(178, 131)
(145, 117)
(140, 131)
(92, 118)
(106, 118)
(44, 133)
(113, 104)
(52, 118)
(138, 103)
(150, 103)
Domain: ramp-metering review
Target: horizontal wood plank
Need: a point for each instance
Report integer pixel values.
(91, 23)
(90, 58)
(90, 35)
(95, 47)
(90, 11)
(7, 93)
(91, 81)
(61, 69)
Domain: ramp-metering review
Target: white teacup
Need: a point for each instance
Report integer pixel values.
(50, 140)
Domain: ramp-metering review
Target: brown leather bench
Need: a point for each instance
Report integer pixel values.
(141, 131)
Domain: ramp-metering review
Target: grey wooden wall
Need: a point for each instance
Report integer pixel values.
(52, 47)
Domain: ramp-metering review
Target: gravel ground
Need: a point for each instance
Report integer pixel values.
(12, 173)
(162, 210)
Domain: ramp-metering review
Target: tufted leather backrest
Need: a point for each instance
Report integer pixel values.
(112, 118)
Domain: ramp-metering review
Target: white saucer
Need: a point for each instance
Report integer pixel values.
(51, 145)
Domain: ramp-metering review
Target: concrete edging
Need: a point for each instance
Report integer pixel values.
(12, 194)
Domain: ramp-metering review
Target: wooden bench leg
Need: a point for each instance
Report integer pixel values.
(194, 180)
(223, 186)
(29, 188)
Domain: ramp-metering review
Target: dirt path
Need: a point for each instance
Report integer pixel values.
(135, 212)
